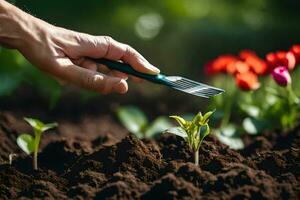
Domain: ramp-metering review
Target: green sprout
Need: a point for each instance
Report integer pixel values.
(136, 122)
(30, 144)
(193, 132)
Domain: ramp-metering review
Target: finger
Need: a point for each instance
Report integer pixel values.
(136, 79)
(106, 47)
(86, 63)
(91, 65)
(118, 74)
(103, 69)
(118, 51)
(89, 79)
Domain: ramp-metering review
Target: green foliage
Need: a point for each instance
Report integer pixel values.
(26, 143)
(16, 71)
(269, 108)
(255, 126)
(193, 132)
(30, 144)
(230, 135)
(136, 122)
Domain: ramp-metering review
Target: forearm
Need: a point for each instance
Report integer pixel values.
(16, 26)
(64, 54)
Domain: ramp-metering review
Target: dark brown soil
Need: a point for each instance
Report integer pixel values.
(93, 157)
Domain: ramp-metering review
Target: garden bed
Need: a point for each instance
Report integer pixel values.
(95, 158)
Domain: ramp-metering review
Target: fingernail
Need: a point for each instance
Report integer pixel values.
(152, 68)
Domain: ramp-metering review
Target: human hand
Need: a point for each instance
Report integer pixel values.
(64, 54)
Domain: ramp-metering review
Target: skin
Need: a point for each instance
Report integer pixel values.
(64, 54)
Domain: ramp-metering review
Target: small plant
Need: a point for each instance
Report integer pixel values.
(30, 144)
(136, 122)
(193, 132)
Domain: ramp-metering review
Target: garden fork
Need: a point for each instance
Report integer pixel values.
(175, 82)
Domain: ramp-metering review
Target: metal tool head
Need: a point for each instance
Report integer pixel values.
(192, 87)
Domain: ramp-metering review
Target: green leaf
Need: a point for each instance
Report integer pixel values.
(206, 116)
(49, 126)
(204, 131)
(232, 142)
(26, 143)
(182, 122)
(254, 126)
(229, 131)
(179, 131)
(197, 119)
(133, 119)
(252, 111)
(35, 123)
(38, 125)
(158, 126)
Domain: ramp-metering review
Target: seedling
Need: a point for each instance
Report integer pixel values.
(136, 122)
(193, 132)
(30, 144)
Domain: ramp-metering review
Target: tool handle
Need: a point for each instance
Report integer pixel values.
(123, 67)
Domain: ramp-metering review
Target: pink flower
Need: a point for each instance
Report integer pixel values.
(281, 75)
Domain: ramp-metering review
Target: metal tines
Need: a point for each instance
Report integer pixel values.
(192, 87)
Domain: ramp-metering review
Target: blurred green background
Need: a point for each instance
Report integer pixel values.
(179, 36)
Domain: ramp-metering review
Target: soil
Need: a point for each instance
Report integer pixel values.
(94, 157)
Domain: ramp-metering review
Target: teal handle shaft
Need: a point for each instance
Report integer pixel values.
(123, 67)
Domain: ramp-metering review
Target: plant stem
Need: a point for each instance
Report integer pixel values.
(35, 166)
(228, 103)
(196, 157)
(292, 97)
(36, 150)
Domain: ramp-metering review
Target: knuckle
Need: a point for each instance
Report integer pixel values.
(108, 39)
(86, 39)
(128, 49)
(107, 43)
(94, 42)
(79, 38)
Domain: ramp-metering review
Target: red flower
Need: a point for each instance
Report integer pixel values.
(257, 65)
(281, 58)
(237, 66)
(295, 49)
(247, 81)
(219, 64)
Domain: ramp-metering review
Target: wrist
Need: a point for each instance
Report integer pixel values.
(17, 29)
